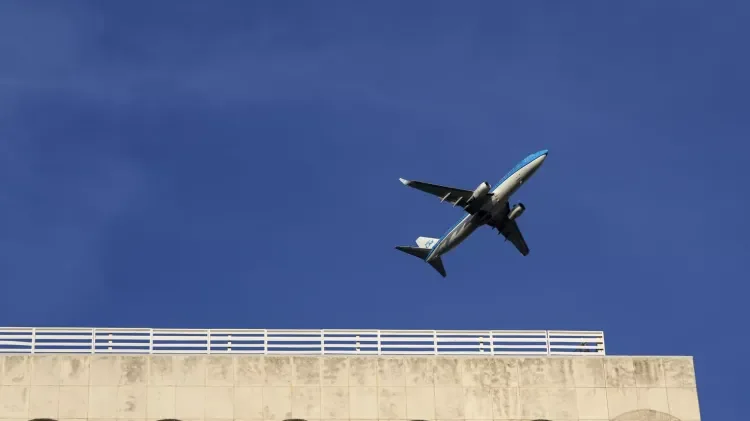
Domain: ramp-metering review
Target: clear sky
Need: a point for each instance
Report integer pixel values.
(236, 164)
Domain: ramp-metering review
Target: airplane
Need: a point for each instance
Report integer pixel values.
(484, 206)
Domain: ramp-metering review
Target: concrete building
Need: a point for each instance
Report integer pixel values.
(137, 375)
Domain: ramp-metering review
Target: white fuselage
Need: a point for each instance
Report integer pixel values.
(494, 206)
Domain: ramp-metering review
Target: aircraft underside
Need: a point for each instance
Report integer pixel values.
(484, 205)
(484, 216)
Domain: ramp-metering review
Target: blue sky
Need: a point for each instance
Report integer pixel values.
(190, 164)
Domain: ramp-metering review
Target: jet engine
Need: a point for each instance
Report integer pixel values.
(481, 191)
(516, 211)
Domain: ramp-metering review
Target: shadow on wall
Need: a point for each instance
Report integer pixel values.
(639, 415)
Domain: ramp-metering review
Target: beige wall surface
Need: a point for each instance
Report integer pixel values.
(398, 388)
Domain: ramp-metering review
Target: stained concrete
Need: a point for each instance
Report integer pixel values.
(275, 388)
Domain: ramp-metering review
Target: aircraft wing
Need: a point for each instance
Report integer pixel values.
(450, 194)
(509, 229)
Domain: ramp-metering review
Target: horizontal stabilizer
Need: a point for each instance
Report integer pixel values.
(422, 253)
(437, 264)
(415, 251)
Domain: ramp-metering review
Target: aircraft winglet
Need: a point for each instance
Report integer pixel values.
(404, 182)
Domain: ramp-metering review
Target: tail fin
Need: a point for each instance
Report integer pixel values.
(427, 242)
(422, 253)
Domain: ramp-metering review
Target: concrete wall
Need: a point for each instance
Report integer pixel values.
(275, 388)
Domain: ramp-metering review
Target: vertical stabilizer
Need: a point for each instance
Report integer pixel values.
(427, 242)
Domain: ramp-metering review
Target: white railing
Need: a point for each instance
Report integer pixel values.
(316, 342)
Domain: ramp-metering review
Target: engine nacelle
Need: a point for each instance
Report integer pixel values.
(516, 211)
(481, 191)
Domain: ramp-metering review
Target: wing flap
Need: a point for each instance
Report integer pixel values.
(512, 233)
(510, 230)
(450, 194)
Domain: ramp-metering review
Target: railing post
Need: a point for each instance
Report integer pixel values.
(208, 341)
(33, 340)
(265, 341)
(151, 341)
(379, 347)
(546, 338)
(492, 344)
(93, 340)
(435, 342)
(322, 342)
